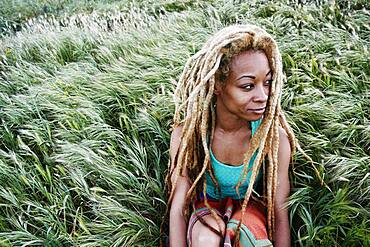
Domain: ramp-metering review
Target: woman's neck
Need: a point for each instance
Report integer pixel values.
(229, 123)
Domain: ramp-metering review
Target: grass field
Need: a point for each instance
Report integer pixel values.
(86, 104)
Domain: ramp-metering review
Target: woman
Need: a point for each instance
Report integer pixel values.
(228, 115)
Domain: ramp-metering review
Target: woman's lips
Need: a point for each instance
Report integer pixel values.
(257, 110)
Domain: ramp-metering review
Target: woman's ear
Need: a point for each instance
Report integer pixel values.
(218, 88)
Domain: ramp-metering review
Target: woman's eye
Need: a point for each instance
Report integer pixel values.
(268, 82)
(248, 86)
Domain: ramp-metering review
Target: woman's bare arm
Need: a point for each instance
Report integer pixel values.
(177, 232)
(282, 229)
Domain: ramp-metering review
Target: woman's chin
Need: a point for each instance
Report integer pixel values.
(252, 116)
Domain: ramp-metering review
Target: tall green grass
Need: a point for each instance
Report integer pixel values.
(86, 102)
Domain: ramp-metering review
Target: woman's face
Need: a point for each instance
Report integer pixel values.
(247, 87)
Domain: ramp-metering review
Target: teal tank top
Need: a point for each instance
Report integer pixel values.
(228, 176)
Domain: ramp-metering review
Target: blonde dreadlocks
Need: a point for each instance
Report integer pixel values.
(194, 98)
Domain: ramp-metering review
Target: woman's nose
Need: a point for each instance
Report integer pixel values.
(261, 94)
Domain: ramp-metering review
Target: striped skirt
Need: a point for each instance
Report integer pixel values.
(253, 228)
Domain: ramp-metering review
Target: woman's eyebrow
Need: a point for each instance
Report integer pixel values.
(248, 76)
(252, 76)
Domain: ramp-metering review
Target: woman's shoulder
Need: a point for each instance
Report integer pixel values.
(284, 147)
(176, 134)
(283, 134)
(174, 147)
(175, 140)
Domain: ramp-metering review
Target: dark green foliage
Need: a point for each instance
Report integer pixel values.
(86, 107)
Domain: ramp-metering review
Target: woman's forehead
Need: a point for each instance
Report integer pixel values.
(253, 61)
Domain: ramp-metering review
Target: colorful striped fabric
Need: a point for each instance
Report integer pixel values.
(253, 229)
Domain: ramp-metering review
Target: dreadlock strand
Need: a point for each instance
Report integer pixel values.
(213, 213)
(288, 130)
(255, 168)
(275, 151)
(260, 135)
(270, 175)
(186, 71)
(213, 124)
(267, 174)
(269, 192)
(257, 163)
(253, 147)
(273, 156)
(176, 175)
(202, 171)
(205, 147)
(187, 86)
(189, 124)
